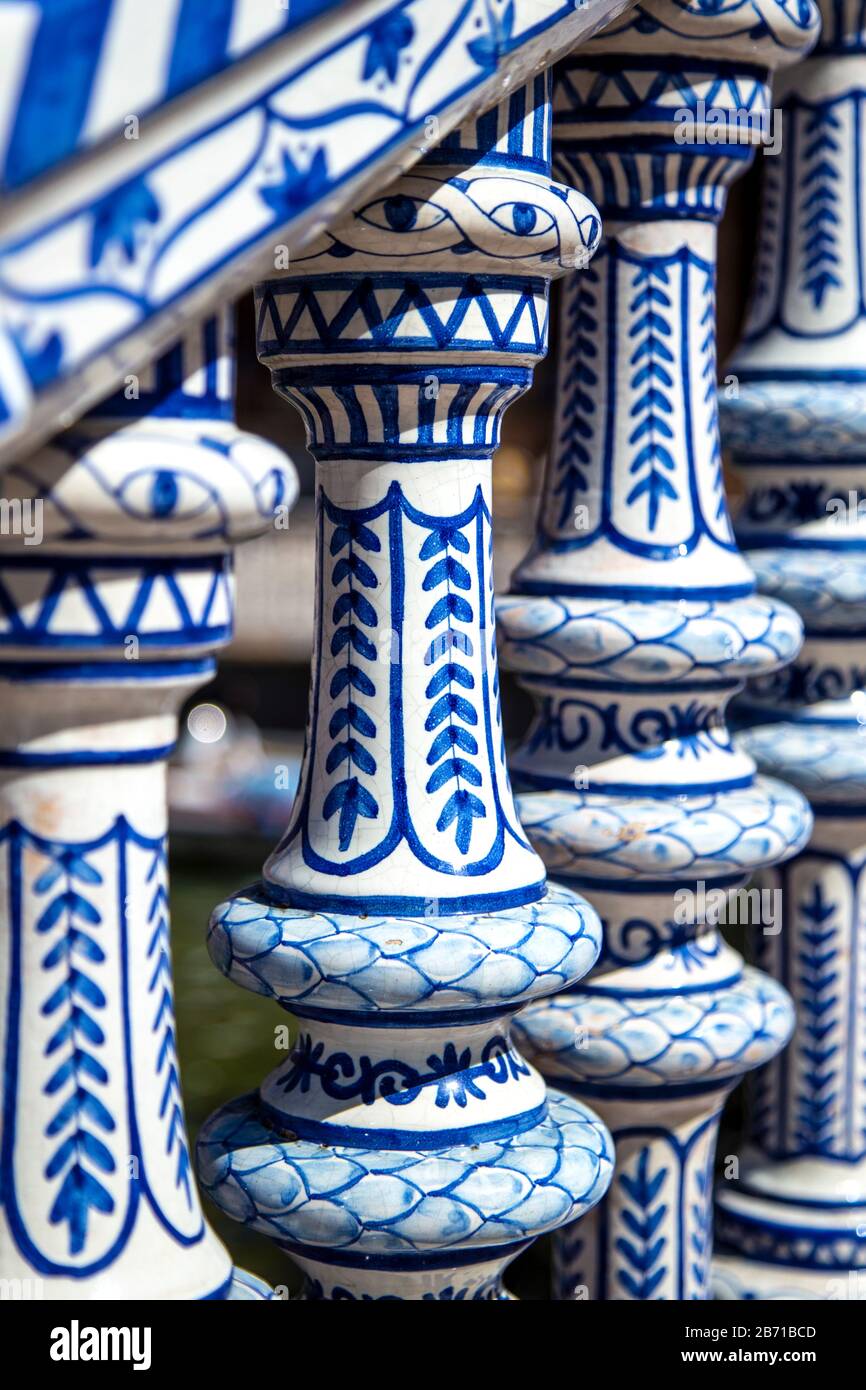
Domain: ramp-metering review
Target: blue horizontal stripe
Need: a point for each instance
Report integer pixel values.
(515, 163)
(396, 279)
(645, 593)
(612, 63)
(688, 212)
(651, 687)
(402, 453)
(785, 541)
(804, 374)
(104, 670)
(659, 792)
(410, 1260)
(406, 906)
(609, 1090)
(85, 757)
(641, 886)
(387, 374)
(411, 1140)
(421, 1017)
(670, 991)
(848, 810)
(579, 138)
(805, 460)
(180, 636)
(734, 1226)
(662, 791)
(146, 564)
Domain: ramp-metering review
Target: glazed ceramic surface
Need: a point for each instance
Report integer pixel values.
(405, 1149)
(632, 621)
(153, 155)
(106, 626)
(794, 1225)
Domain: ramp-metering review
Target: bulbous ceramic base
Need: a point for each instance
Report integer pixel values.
(363, 964)
(626, 835)
(792, 1228)
(369, 1222)
(404, 1148)
(558, 635)
(616, 1035)
(654, 1048)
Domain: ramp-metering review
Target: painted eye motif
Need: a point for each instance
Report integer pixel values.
(271, 491)
(590, 231)
(161, 493)
(522, 219)
(403, 214)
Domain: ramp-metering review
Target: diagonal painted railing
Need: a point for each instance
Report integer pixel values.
(188, 150)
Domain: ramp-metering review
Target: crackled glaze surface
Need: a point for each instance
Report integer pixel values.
(107, 627)
(632, 621)
(793, 1225)
(403, 917)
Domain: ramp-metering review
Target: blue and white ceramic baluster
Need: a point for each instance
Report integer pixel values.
(405, 1149)
(113, 596)
(794, 1223)
(632, 621)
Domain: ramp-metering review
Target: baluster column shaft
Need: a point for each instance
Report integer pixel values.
(107, 623)
(792, 1223)
(632, 620)
(405, 1149)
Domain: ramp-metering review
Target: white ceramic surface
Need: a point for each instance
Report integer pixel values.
(631, 622)
(108, 624)
(794, 1223)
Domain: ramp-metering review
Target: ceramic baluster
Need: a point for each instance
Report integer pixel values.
(793, 1224)
(632, 620)
(404, 1149)
(113, 596)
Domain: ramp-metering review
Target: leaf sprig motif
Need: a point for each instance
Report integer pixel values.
(82, 1121)
(452, 715)
(351, 726)
(711, 391)
(643, 1216)
(701, 1233)
(160, 985)
(817, 1000)
(580, 380)
(820, 206)
(651, 362)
